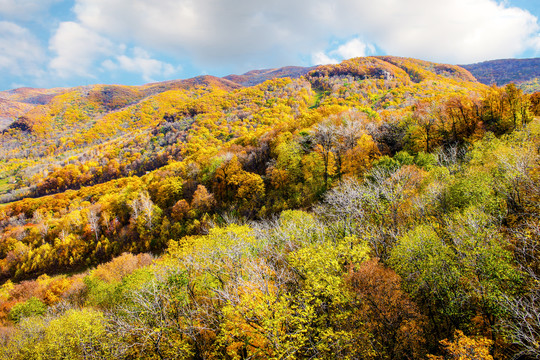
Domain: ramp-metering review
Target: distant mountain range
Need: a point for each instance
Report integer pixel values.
(255, 77)
(70, 123)
(17, 102)
(524, 72)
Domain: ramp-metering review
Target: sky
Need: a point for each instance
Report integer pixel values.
(57, 43)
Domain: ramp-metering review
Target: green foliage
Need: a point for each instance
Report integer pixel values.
(425, 160)
(465, 272)
(474, 189)
(29, 308)
(76, 334)
(387, 163)
(99, 292)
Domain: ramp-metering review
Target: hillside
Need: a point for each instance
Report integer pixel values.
(255, 77)
(524, 72)
(368, 209)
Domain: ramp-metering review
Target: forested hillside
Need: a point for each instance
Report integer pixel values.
(525, 73)
(381, 208)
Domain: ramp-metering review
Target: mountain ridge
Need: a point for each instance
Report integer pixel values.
(82, 117)
(505, 71)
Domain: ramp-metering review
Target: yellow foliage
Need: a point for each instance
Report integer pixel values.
(465, 348)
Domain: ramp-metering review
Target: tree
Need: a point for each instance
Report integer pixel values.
(393, 320)
(142, 207)
(31, 307)
(148, 324)
(348, 133)
(535, 103)
(93, 220)
(426, 117)
(464, 114)
(180, 210)
(250, 190)
(203, 200)
(73, 334)
(228, 167)
(516, 104)
(325, 136)
(463, 274)
(523, 322)
(464, 347)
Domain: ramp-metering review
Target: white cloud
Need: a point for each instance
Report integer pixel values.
(320, 58)
(459, 31)
(77, 48)
(263, 32)
(24, 9)
(240, 35)
(20, 51)
(351, 49)
(208, 30)
(534, 43)
(141, 63)
(354, 48)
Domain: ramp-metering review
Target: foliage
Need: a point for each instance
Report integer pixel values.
(167, 217)
(505, 71)
(464, 347)
(75, 334)
(31, 307)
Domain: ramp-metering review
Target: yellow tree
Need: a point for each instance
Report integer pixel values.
(464, 347)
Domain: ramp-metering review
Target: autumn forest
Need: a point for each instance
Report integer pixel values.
(380, 208)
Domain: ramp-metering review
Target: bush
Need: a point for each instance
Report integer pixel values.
(31, 307)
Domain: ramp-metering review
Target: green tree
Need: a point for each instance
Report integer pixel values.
(31, 307)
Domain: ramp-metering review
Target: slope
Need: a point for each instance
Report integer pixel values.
(524, 72)
(419, 190)
(168, 144)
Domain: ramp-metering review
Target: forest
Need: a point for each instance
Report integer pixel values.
(380, 208)
(524, 73)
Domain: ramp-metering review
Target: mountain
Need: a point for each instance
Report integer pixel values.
(367, 209)
(524, 72)
(31, 95)
(255, 77)
(15, 103)
(10, 110)
(72, 121)
(72, 138)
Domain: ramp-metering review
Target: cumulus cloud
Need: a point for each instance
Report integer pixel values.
(208, 30)
(20, 51)
(141, 63)
(24, 9)
(108, 36)
(534, 43)
(77, 48)
(459, 31)
(271, 32)
(351, 49)
(354, 48)
(320, 58)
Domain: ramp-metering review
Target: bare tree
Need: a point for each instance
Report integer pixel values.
(142, 205)
(325, 136)
(373, 210)
(93, 219)
(523, 324)
(348, 133)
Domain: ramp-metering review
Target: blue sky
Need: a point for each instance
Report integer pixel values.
(52, 43)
